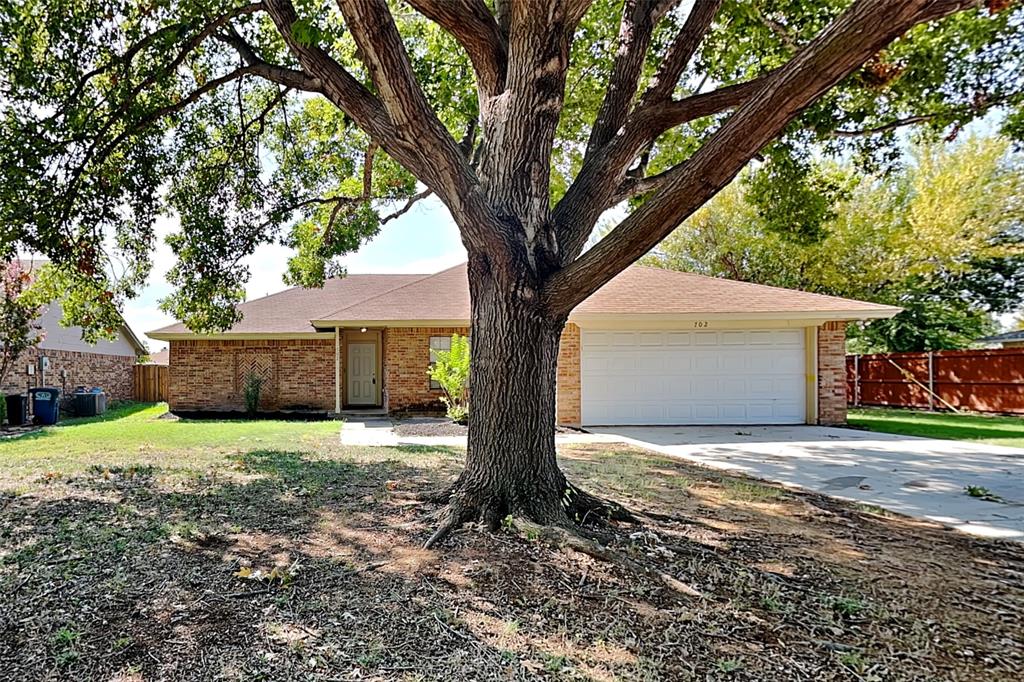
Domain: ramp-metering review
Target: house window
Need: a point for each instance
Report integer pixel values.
(438, 343)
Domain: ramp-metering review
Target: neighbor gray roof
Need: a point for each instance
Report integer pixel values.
(1015, 335)
(30, 265)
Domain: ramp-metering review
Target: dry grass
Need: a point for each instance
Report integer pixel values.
(300, 564)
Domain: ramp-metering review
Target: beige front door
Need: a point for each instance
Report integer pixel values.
(362, 373)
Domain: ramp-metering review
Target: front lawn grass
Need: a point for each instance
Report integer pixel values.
(136, 548)
(138, 434)
(983, 428)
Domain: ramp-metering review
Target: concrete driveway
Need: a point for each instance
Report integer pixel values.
(920, 477)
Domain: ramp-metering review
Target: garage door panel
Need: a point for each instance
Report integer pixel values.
(702, 377)
(733, 412)
(732, 386)
(734, 338)
(789, 337)
(762, 386)
(706, 338)
(732, 362)
(679, 413)
(623, 338)
(652, 339)
(705, 362)
(678, 339)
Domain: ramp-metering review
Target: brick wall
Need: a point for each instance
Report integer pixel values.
(567, 408)
(406, 359)
(210, 375)
(111, 372)
(407, 356)
(832, 373)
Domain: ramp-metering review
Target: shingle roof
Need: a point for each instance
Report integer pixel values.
(291, 311)
(646, 290)
(1015, 335)
(638, 290)
(444, 296)
(161, 357)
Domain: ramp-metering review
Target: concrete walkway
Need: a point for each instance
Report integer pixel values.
(920, 477)
(380, 432)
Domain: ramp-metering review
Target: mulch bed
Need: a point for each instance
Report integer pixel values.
(286, 567)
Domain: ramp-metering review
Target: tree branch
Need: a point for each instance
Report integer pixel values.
(417, 129)
(866, 27)
(595, 186)
(476, 29)
(636, 27)
(635, 185)
(408, 205)
(121, 60)
(339, 86)
(681, 51)
(371, 152)
(422, 146)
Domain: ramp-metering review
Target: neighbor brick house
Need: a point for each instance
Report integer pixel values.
(651, 347)
(72, 361)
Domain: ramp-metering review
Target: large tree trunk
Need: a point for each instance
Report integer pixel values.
(511, 468)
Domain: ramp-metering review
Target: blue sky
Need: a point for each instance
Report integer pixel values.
(423, 240)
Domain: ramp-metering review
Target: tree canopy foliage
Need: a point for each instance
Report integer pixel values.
(19, 314)
(942, 237)
(259, 122)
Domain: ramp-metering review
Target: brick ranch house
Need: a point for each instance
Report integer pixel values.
(652, 346)
(72, 361)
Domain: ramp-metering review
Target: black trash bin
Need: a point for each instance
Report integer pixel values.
(90, 403)
(17, 409)
(45, 404)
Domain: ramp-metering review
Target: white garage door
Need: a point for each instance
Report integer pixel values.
(748, 376)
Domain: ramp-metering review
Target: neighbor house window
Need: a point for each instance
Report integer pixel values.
(438, 343)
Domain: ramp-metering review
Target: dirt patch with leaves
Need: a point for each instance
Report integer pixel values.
(308, 565)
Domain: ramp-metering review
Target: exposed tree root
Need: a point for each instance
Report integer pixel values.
(583, 507)
(451, 520)
(563, 537)
(581, 522)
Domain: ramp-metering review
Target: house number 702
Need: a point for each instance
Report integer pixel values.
(700, 324)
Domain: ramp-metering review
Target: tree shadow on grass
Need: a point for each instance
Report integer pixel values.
(284, 566)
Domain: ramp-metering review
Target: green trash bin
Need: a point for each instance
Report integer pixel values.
(45, 404)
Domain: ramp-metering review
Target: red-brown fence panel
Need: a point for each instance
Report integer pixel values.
(977, 380)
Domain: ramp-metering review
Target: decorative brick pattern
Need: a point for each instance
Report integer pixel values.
(209, 375)
(261, 364)
(567, 397)
(406, 359)
(832, 373)
(113, 373)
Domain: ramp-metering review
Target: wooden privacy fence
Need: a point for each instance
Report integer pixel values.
(149, 383)
(977, 380)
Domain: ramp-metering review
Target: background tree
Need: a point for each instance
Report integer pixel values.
(943, 237)
(301, 121)
(19, 311)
